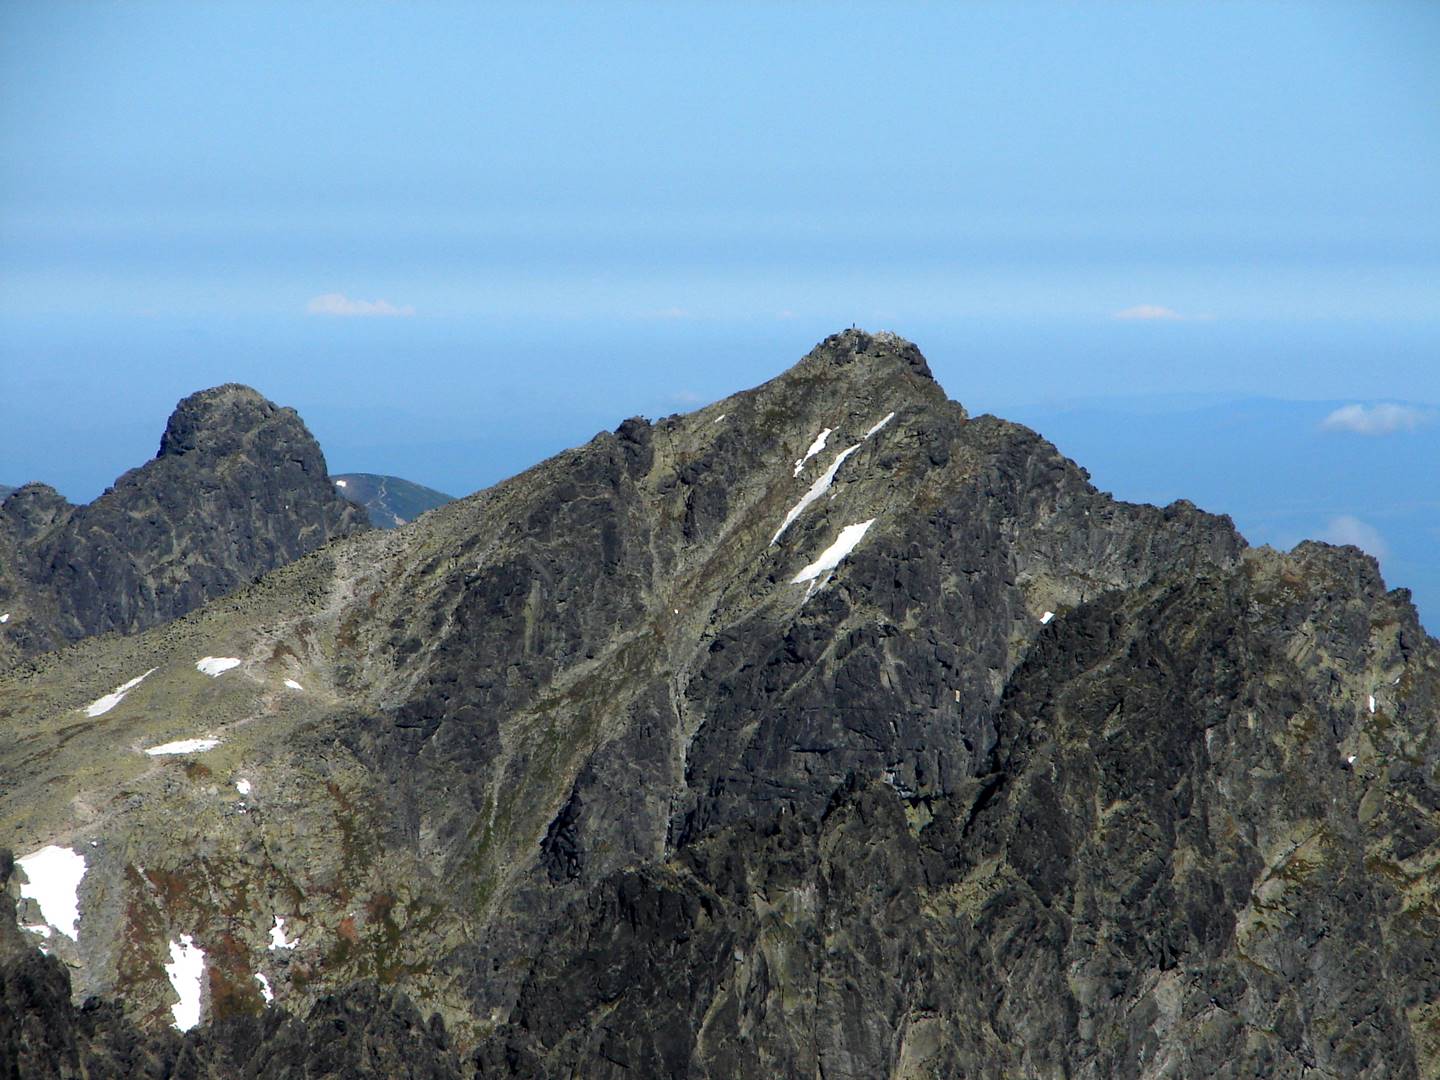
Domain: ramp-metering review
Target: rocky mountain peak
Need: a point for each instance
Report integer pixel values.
(239, 487)
(218, 420)
(33, 508)
(825, 730)
(859, 348)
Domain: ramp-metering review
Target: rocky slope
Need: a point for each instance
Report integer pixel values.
(238, 488)
(825, 731)
(388, 500)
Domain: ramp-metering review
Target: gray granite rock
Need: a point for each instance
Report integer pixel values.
(1032, 782)
(238, 488)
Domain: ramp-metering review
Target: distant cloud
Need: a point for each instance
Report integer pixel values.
(1381, 419)
(1351, 530)
(339, 304)
(1148, 313)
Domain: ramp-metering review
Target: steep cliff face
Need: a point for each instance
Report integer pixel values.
(825, 731)
(239, 487)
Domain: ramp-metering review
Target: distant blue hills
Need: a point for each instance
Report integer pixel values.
(389, 500)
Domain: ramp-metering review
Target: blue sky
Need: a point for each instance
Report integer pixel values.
(458, 237)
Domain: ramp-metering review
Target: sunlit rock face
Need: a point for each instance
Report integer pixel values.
(716, 747)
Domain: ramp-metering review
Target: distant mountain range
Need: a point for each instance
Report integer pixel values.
(828, 730)
(389, 500)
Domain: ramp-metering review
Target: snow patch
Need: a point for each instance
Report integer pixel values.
(1372, 703)
(265, 991)
(243, 786)
(38, 928)
(187, 965)
(815, 447)
(830, 558)
(5, 618)
(183, 746)
(881, 424)
(216, 665)
(818, 488)
(293, 685)
(100, 706)
(341, 483)
(1046, 617)
(277, 936)
(55, 874)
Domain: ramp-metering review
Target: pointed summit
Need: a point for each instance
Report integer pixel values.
(822, 730)
(217, 420)
(856, 346)
(239, 487)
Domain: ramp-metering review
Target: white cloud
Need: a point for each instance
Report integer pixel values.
(339, 304)
(1383, 419)
(1346, 529)
(1148, 313)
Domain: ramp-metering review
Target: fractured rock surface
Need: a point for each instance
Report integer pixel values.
(1025, 782)
(238, 488)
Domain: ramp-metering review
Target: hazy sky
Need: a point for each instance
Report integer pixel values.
(459, 236)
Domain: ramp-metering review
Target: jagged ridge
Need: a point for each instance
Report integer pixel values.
(578, 764)
(238, 488)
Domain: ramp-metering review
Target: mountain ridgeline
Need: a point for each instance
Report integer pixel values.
(388, 500)
(825, 731)
(238, 488)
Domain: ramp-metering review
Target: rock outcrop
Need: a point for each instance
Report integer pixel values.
(828, 730)
(238, 488)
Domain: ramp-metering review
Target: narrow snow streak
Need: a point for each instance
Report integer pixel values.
(187, 965)
(293, 685)
(55, 874)
(216, 665)
(183, 746)
(815, 448)
(882, 423)
(818, 488)
(277, 936)
(100, 706)
(1372, 703)
(720, 417)
(43, 929)
(830, 558)
(265, 991)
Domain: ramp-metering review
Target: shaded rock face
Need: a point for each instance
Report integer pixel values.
(1163, 867)
(1031, 782)
(239, 487)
